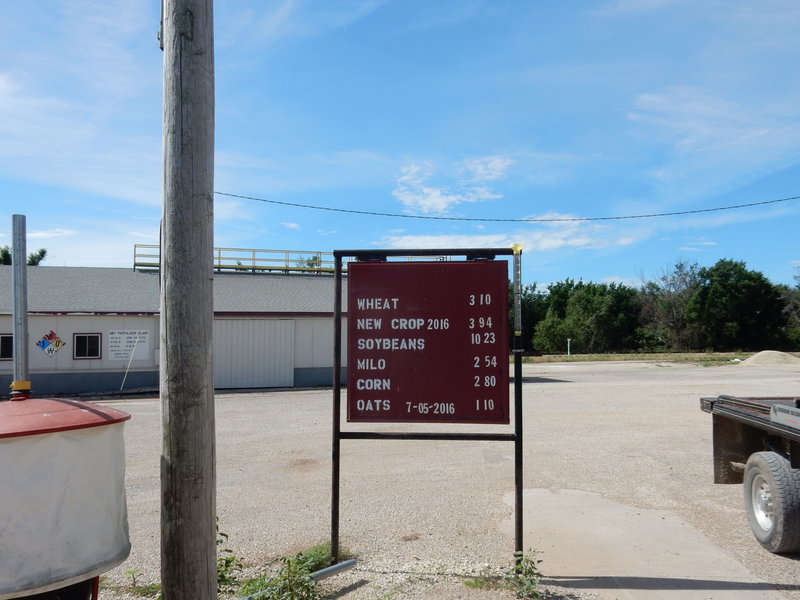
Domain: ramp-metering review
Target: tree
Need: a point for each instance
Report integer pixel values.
(665, 322)
(597, 317)
(621, 317)
(551, 332)
(603, 317)
(312, 262)
(791, 308)
(735, 308)
(34, 258)
(533, 308)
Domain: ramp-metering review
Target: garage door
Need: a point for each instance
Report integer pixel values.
(253, 353)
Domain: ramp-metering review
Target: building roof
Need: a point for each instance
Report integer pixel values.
(105, 290)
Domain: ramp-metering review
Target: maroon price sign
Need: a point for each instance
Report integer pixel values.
(427, 342)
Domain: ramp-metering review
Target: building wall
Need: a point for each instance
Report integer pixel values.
(253, 353)
(313, 356)
(248, 353)
(128, 353)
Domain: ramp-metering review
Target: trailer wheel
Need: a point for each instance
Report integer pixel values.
(772, 500)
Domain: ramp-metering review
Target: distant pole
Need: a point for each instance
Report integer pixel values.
(21, 386)
(188, 472)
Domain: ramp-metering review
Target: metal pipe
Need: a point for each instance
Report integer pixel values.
(517, 248)
(444, 436)
(337, 408)
(518, 348)
(345, 565)
(21, 386)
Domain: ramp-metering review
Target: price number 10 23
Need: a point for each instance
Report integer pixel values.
(488, 337)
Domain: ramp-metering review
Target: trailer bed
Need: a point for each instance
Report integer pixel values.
(778, 416)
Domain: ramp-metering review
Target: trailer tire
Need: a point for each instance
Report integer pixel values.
(772, 500)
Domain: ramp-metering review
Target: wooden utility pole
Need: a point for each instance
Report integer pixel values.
(188, 472)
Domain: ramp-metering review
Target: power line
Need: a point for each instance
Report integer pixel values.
(490, 220)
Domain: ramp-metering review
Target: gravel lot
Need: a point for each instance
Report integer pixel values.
(420, 516)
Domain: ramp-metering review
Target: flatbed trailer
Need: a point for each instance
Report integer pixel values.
(757, 443)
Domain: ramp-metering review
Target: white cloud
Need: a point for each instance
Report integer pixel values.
(696, 246)
(231, 209)
(151, 237)
(549, 237)
(80, 105)
(50, 234)
(468, 183)
(291, 225)
(487, 168)
(625, 7)
(628, 281)
(294, 19)
(269, 177)
(279, 21)
(716, 142)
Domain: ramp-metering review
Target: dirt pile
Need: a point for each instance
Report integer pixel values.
(770, 357)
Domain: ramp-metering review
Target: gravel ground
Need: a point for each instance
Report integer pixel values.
(420, 517)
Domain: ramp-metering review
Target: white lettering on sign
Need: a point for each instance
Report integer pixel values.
(377, 303)
(129, 344)
(407, 323)
(373, 404)
(370, 364)
(368, 323)
(373, 384)
(390, 344)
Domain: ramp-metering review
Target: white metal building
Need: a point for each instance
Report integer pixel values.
(96, 330)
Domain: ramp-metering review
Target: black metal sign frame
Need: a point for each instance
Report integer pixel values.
(339, 435)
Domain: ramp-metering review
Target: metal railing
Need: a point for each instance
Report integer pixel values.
(251, 260)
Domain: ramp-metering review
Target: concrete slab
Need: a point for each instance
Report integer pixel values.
(620, 552)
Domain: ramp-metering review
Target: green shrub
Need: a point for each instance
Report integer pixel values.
(293, 581)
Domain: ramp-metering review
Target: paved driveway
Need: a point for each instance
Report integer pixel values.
(619, 497)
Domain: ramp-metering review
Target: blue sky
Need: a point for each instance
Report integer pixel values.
(470, 109)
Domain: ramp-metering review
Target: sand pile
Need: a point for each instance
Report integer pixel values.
(770, 357)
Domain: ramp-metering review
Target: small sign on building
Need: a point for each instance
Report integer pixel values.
(132, 344)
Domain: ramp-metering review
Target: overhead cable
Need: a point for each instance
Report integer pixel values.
(497, 220)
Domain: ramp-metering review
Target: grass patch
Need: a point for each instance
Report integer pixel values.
(293, 579)
(700, 358)
(135, 588)
(485, 581)
(319, 556)
(522, 579)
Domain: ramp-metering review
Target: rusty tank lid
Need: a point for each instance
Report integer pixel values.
(34, 416)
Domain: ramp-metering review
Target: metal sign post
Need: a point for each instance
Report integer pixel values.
(408, 323)
(21, 385)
